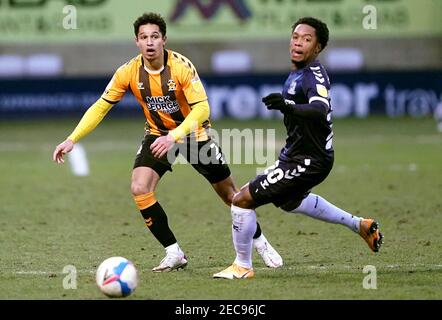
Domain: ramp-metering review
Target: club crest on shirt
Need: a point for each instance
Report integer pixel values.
(292, 87)
(171, 85)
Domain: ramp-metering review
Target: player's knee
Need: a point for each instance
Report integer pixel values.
(138, 188)
(241, 200)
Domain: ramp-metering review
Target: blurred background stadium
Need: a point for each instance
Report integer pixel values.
(384, 56)
(384, 60)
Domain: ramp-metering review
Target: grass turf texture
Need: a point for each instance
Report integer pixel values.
(388, 169)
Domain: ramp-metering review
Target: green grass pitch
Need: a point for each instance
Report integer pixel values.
(388, 169)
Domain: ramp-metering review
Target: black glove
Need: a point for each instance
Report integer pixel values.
(275, 101)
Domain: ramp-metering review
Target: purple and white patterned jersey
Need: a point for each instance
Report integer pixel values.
(309, 121)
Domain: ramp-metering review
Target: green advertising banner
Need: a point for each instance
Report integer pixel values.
(34, 21)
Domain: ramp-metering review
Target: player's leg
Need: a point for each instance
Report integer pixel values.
(307, 174)
(210, 163)
(275, 186)
(243, 229)
(317, 207)
(226, 189)
(146, 174)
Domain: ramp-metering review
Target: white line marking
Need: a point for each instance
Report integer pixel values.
(285, 267)
(43, 273)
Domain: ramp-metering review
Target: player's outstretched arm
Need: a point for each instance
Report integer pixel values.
(88, 122)
(64, 147)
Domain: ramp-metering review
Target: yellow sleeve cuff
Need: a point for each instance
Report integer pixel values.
(91, 118)
(194, 119)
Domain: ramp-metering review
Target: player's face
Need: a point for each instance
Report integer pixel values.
(304, 46)
(150, 41)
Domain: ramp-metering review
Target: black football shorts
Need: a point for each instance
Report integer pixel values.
(288, 182)
(205, 156)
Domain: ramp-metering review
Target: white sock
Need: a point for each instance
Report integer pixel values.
(317, 207)
(243, 229)
(173, 248)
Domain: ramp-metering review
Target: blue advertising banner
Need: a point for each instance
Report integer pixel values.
(352, 94)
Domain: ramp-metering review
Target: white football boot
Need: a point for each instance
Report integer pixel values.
(172, 261)
(270, 256)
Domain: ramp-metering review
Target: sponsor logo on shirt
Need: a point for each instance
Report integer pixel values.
(292, 88)
(162, 104)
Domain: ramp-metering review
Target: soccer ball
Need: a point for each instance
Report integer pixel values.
(117, 277)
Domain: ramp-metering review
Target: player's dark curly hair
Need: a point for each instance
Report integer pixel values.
(151, 18)
(318, 25)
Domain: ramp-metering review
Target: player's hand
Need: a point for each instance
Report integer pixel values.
(275, 101)
(64, 147)
(161, 145)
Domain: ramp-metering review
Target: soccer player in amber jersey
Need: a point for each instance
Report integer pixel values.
(174, 102)
(306, 159)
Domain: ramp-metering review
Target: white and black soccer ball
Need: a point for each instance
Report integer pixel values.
(117, 277)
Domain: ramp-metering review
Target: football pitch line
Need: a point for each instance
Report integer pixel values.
(334, 267)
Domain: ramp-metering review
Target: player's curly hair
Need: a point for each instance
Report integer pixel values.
(320, 27)
(151, 18)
